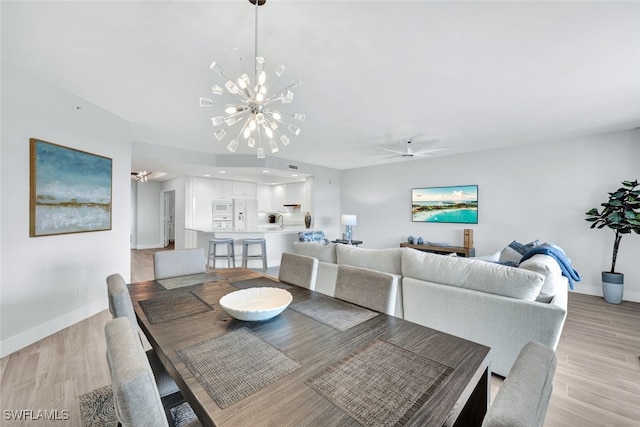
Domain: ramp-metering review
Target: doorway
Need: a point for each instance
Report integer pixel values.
(169, 217)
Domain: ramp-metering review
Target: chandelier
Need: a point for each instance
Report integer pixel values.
(140, 176)
(251, 114)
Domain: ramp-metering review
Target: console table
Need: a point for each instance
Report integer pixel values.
(464, 252)
(347, 242)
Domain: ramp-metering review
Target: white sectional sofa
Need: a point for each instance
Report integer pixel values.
(499, 306)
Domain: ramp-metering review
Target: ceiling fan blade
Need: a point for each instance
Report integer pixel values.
(392, 151)
(432, 150)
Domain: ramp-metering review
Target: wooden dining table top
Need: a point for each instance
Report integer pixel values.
(461, 398)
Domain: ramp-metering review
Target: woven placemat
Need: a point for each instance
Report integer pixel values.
(97, 408)
(380, 384)
(234, 365)
(338, 314)
(173, 306)
(193, 279)
(260, 282)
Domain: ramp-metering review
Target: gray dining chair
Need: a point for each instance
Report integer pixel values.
(523, 398)
(368, 288)
(120, 306)
(299, 270)
(181, 262)
(136, 399)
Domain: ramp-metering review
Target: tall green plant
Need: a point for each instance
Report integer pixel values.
(621, 214)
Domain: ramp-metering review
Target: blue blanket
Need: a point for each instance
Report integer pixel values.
(559, 255)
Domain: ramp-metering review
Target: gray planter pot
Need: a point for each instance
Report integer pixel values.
(612, 287)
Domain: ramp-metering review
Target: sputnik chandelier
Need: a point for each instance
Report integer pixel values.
(252, 106)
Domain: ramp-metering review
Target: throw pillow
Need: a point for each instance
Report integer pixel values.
(514, 252)
(523, 249)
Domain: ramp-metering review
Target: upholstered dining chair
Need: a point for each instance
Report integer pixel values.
(120, 306)
(299, 270)
(136, 398)
(523, 398)
(368, 288)
(182, 262)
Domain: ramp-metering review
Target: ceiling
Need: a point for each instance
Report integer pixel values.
(473, 75)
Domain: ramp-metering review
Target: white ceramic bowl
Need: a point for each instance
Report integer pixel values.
(256, 303)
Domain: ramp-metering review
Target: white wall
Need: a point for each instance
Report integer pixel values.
(40, 274)
(528, 192)
(148, 220)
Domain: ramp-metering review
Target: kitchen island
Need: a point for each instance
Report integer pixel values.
(279, 239)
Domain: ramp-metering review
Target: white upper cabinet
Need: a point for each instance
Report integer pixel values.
(222, 189)
(294, 193)
(244, 190)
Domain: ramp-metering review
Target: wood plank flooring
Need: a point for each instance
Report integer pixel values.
(597, 382)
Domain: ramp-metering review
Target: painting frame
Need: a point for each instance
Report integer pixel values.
(70, 190)
(453, 204)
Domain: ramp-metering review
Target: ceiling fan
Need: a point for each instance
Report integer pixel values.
(408, 151)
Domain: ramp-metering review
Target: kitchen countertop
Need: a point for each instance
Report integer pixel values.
(271, 229)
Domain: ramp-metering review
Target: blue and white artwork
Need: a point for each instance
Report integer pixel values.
(457, 204)
(70, 190)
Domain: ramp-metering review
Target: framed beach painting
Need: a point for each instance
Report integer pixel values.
(70, 190)
(455, 204)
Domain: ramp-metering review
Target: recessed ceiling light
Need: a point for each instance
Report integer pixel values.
(265, 171)
(207, 175)
(294, 174)
(222, 171)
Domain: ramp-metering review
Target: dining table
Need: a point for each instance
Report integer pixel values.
(320, 362)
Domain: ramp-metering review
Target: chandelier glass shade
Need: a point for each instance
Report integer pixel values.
(251, 109)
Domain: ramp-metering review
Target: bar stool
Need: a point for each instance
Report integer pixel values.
(230, 255)
(263, 255)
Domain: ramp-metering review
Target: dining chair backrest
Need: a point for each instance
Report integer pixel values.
(120, 300)
(368, 288)
(136, 398)
(299, 270)
(523, 398)
(176, 263)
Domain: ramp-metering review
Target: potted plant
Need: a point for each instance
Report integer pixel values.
(621, 214)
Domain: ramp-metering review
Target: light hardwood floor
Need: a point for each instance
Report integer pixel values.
(597, 381)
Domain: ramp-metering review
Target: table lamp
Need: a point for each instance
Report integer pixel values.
(348, 220)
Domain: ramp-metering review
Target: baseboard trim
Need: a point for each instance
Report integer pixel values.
(153, 246)
(33, 335)
(597, 291)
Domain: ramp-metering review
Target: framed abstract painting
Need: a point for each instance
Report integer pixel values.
(70, 190)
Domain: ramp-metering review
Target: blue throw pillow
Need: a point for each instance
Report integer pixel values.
(523, 249)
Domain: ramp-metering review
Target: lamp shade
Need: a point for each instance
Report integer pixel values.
(349, 219)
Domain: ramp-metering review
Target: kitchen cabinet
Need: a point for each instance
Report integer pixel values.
(222, 189)
(264, 197)
(272, 198)
(203, 194)
(294, 193)
(244, 190)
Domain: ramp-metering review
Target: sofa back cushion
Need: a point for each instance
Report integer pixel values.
(472, 274)
(324, 253)
(554, 281)
(386, 260)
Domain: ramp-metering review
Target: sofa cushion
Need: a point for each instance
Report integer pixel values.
(513, 252)
(472, 274)
(492, 257)
(317, 236)
(324, 253)
(549, 268)
(385, 260)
